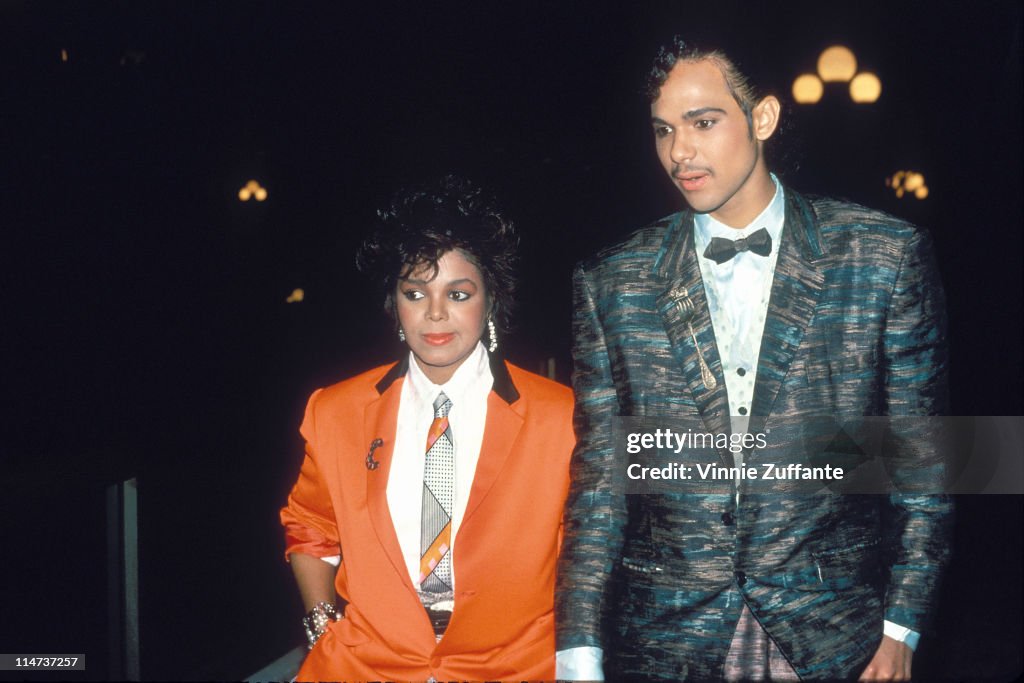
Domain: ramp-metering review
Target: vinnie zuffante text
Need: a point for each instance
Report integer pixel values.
(708, 471)
(676, 441)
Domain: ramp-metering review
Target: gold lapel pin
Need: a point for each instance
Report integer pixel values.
(687, 309)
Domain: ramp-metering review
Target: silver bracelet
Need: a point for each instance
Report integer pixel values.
(316, 620)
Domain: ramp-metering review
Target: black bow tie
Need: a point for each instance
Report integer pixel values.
(721, 250)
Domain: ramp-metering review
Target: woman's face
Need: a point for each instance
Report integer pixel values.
(443, 316)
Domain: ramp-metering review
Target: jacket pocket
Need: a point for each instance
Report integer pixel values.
(346, 633)
(831, 569)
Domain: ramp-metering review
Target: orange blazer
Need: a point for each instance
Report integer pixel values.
(507, 544)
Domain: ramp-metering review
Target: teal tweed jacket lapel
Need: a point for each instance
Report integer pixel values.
(675, 274)
(795, 293)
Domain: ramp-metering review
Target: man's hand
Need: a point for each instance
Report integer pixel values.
(890, 663)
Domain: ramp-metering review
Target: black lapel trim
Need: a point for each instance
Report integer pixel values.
(503, 385)
(397, 370)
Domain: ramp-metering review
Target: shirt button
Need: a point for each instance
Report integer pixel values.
(741, 578)
(741, 371)
(743, 410)
(728, 519)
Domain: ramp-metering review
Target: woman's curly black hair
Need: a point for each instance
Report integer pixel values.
(423, 223)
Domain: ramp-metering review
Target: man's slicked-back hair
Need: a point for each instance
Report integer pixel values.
(424, 222)
(678, 50)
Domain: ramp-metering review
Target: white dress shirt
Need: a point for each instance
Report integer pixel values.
(468, 389)
(737, 293)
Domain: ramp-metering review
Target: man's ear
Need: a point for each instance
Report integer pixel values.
(765, 117)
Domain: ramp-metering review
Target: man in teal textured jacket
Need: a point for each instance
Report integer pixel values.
(755, 310)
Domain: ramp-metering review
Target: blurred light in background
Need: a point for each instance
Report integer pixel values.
(907, 182)
(808, 89)
(837, 63)
(252, 190)
(865, 88)
(297, 295)
(63, 55)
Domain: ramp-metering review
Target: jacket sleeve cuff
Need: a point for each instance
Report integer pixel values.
(299, 538)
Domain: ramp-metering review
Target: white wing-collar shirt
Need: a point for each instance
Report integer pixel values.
(737, 293)
(468, 389)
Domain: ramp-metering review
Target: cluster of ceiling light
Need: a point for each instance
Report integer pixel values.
(907, 183)
(252, 190)
(837, 64)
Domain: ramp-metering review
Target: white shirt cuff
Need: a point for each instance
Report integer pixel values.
(901, 634)
(333, 560)
(579, 664)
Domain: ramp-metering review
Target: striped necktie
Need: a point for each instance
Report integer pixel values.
(438, 493)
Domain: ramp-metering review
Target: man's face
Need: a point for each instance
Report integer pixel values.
(707, 147)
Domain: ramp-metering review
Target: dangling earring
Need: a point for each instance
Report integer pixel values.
(401, 334)
(493, 346)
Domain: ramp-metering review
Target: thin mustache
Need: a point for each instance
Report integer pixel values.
(677, 169)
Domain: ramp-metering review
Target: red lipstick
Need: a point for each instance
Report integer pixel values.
(438, 339)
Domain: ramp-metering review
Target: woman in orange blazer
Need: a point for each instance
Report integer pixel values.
(425, 523)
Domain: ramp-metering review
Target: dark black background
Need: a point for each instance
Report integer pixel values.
(145, 331)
